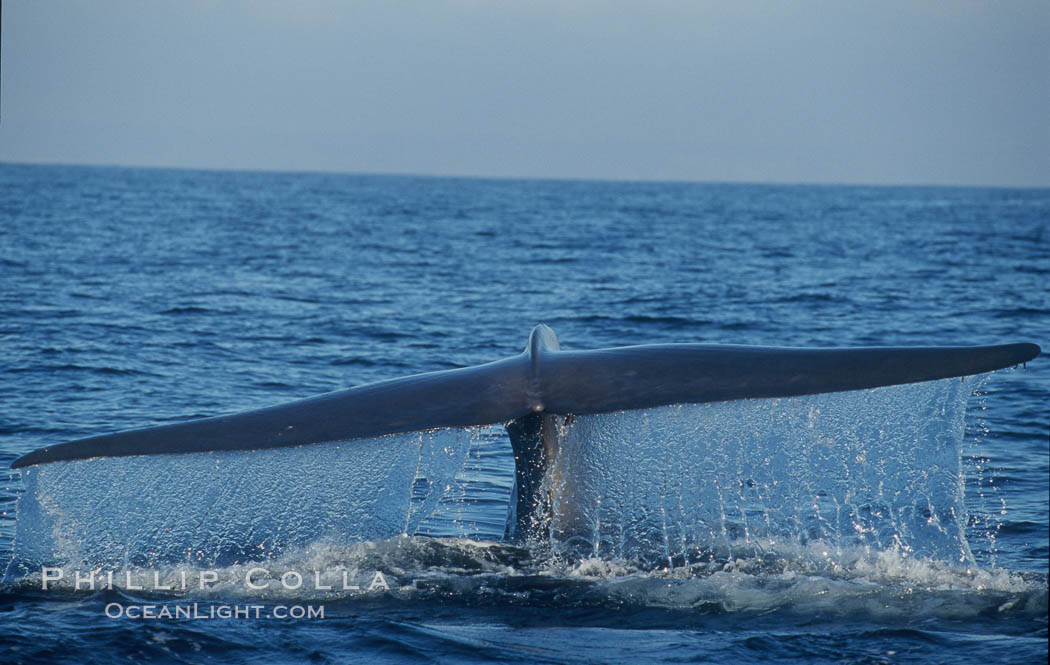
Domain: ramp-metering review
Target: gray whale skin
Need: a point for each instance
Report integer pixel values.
(528, 391)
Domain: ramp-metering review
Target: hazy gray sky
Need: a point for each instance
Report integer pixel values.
(953, 92)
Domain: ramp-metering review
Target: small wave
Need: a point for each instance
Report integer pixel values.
(69, 367)
(665, 320)
(187, 309)
(810, 298)
(355, 361)
(1020, 312)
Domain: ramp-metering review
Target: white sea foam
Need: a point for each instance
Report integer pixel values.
(887, 585)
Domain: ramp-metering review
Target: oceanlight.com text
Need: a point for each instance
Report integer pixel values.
(208, 611)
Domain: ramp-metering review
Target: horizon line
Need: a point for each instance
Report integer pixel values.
(519, 178)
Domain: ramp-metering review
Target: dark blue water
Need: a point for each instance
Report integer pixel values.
(133, 297)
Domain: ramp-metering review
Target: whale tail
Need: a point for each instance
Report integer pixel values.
(525, 392)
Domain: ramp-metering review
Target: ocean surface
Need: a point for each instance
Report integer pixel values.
(898, 525)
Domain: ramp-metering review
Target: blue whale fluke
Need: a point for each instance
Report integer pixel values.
(526, 391)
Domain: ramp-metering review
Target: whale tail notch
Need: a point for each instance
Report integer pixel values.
(525, 391)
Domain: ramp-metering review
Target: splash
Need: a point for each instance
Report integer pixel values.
(216, 509)
(830, 480)
(836, 475)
